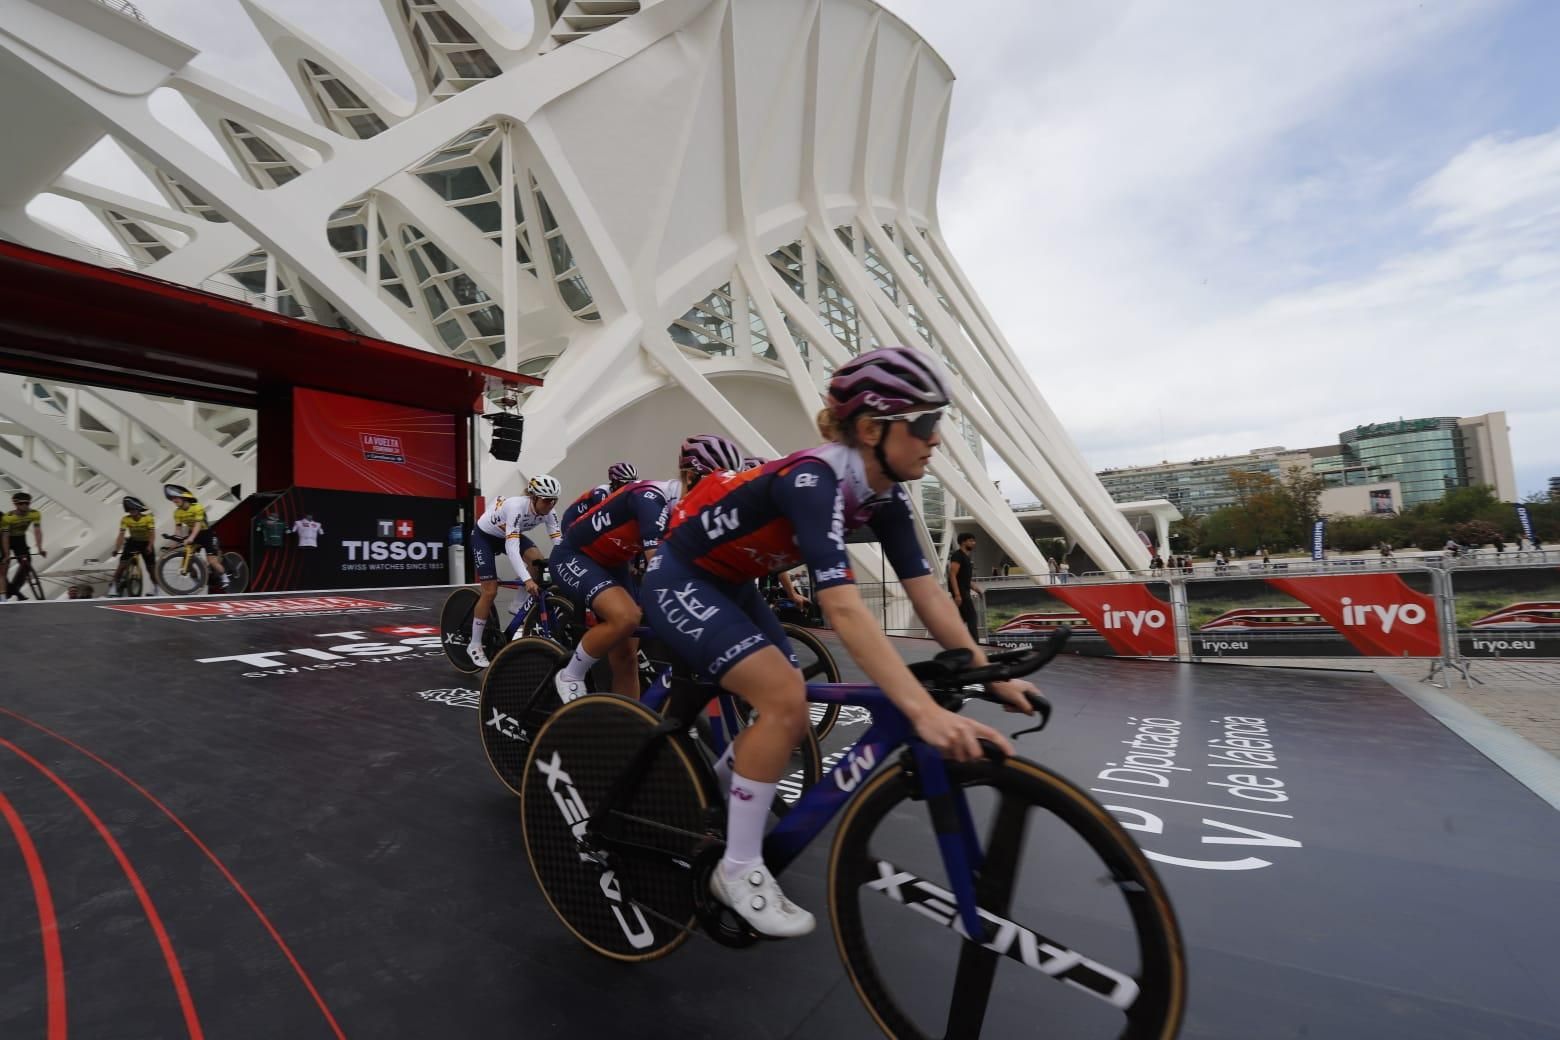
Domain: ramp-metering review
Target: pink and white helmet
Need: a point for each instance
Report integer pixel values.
(709, 453)
(887, 381)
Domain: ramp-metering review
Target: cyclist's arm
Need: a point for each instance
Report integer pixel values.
(119, 542)
(654, 513)
(807, 494)
(516, 557)
(37, 538)
(953, 580)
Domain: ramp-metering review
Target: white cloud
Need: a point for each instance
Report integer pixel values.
(1212, 227)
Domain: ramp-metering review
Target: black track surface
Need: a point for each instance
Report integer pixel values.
(1412, 889)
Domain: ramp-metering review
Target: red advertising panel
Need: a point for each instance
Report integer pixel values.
(1118, 620)
(1377, 613)
(351, 444)
(1134, 621)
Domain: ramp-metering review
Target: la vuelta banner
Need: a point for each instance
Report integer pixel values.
(1378, 614)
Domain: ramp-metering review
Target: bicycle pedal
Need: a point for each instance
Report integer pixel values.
(716, 919)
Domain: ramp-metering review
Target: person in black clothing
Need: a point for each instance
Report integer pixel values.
(960, 571)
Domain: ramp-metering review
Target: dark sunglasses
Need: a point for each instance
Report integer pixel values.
(922, 424)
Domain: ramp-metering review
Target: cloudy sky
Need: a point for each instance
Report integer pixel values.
(1211, 226)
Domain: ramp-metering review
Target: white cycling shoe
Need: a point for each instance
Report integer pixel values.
(569, 689)
(478, 654)
(755, 896)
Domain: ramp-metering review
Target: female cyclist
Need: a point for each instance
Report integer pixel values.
(699, 594)
(502, 529)
(592, 562)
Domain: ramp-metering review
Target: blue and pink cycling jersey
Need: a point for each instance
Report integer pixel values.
(598, 547)
(584, 504)
(699, 593)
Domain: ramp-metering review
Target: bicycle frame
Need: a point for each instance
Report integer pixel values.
(810, 814)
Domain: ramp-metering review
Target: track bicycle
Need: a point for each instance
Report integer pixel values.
(1027, 904)
(549, 616)
(182, 570)
(129, 583)
(518, 696)
(34, 582)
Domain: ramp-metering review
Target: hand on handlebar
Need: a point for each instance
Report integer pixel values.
(532, 588)
(1015, 694)
(957, 737)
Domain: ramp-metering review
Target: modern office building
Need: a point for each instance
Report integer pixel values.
(684, 214)
(1199, 486)
(1424, 458)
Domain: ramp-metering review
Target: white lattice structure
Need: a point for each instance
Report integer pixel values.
(685, 213)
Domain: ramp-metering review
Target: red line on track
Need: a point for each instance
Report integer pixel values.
(186, 1002)
(53, 961)
(265, 921)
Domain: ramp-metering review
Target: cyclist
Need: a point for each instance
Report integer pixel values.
(13, 531)
(502, 531)
(593, 560)
(699, 595)
(618, 474)
(189, 517)
(137, 528)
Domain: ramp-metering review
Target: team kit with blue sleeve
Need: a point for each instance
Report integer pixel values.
(584, 504)
(699, 592)
(599, 546)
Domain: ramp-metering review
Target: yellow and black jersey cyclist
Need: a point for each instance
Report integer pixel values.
(13, 543)
(189, 516)
(137, 528)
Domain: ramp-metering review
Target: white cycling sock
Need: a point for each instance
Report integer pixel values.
(578, 665)
(723, 768)
(477, 625)
(747, 813)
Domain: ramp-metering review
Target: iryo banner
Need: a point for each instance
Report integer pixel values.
(1126, 619)
(1344, 615)
(1507, 611)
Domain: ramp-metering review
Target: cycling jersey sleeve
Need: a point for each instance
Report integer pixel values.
(550, 521)
(812, 500)
(513, 550)
(894, 524)
(653, 513)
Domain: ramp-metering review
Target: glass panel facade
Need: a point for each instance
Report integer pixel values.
(1425, 456)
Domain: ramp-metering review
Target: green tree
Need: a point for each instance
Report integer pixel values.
(1302, 490)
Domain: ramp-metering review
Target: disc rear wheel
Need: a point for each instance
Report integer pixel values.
(629, 893)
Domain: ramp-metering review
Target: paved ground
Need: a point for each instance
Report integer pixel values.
(1522, 696)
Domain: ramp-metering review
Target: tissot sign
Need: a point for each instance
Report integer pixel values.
(372, 540)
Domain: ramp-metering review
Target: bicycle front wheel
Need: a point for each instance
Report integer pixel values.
(130, 584)
(817, 665)
(1079, 933)
(177, 577)
(517, 697)
(237, 572)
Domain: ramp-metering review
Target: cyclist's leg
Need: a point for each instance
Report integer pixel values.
(590, 586)
(114, 588)
(485, 550)
(708, 625)
(23, 570)
(149, 562)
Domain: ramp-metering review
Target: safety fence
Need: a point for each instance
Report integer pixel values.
(1451, 610)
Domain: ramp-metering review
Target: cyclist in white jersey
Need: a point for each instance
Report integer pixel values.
(503, 529)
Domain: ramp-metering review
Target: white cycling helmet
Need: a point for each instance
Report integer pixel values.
(544, 485)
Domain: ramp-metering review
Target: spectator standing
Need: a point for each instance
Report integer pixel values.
(960, 586)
